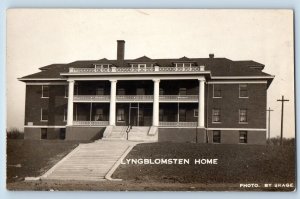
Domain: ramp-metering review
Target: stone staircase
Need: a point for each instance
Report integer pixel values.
(89, 162)
(136, 133)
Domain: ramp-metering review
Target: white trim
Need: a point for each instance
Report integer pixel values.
(243, 77)
(46, 83)
(43, 126)
(237, 82)
(236, 129)
(39, 79)
(136, 76)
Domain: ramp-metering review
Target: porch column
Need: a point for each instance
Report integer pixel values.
(112, 107)
(155, 121)
(70, 103)
(201, 105)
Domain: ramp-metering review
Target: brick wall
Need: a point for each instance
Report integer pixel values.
(56, 103)
(230, 103)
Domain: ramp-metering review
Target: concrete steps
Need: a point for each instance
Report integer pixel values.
(88, 161)
(137, 133)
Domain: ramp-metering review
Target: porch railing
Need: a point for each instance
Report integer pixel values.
(91, 97)
(163, 98)
(90, 123)
(121, 98)
(178, 124)
(113, 69)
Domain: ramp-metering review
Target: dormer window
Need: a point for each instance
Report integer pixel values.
(183, 64)
(138, 65)
(102, 65)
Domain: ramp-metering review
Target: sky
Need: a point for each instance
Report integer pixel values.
(39, 37)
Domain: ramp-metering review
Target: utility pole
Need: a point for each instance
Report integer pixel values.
(282, 100)
(269, 121)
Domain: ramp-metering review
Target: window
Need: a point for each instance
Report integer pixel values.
(243, 116)
(216, 115)
(243, 136)
(243, 90)
(120, 91)
(183, 64)
(161, 114)
(195, 112)
(65, 114)
(161, 91)
(140, 91)
(182, 115)
(62, 134)
(66, 91)
(216, 136)
(138, 65)
(217, 93)
(182, 91)
(120, 115)
(44, 114)
(99, 116)
(99, 91)
(141, 115)
(45, 91)
(43, 133)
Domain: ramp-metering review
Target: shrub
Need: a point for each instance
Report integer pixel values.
(14, 133)
(285, 141)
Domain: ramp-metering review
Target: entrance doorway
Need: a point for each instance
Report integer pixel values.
(134, 119)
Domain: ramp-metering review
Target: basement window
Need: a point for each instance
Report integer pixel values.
(43, 133)
(216, 136)
(243, 136)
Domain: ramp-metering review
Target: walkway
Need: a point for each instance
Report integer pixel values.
(91, 161)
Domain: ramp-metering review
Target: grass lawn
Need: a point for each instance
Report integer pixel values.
(236, 164)
(30, 158)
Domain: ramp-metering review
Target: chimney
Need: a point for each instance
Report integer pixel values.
(120, 52)
(211, 56)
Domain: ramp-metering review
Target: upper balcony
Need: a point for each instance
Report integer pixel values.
(140, 69)
(135, 98)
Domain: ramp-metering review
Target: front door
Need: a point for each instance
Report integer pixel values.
(133, 116)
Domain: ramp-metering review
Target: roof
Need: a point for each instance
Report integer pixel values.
(217, 66)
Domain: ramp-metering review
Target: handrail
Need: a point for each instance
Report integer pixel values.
(151, 69)
(129, 127)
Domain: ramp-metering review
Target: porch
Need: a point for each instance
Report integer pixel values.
(136, 114)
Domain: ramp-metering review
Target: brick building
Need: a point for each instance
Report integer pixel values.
(213, 100)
